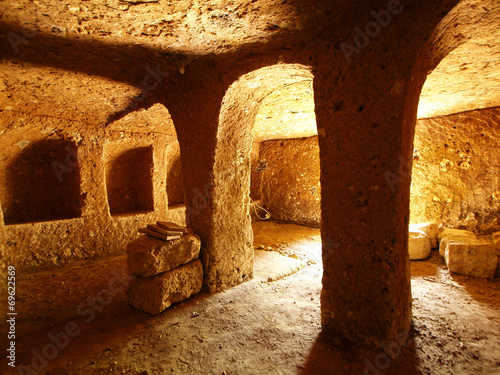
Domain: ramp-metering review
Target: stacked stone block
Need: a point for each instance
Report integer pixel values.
(165, 272)
(466, 254)
(421, 239)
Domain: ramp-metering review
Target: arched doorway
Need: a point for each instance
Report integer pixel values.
(231, 250)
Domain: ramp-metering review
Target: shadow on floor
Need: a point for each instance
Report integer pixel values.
(330, 359)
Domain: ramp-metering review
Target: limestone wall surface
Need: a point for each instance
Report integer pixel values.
(456, 171)
(212, 67)
(455, 177)
(289, 180)
(70, 192)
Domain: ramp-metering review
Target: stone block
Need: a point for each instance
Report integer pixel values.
(449, 234)
(419, 246)
(155, 294)
(148, 256)
(431, 230)
(472, 257)
(444, 242)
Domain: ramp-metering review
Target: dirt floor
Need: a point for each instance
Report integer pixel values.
(270, 325)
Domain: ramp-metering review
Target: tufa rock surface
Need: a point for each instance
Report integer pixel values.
(147, 256)
(293, 163)
(455, 168)
(155, 294)
(496, 239)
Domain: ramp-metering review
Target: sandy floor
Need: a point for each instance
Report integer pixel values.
(270, 325)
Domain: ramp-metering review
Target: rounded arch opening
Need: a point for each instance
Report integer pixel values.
(454, 168)
(231, 251)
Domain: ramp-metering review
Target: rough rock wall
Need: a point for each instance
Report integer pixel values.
(289, 180)
(455, 178)
(182, 25)
(70, 192)
(366, 105)
(256, 175)
(288, 112)
(456, 169)
(175, 187)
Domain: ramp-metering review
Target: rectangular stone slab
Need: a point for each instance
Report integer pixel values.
(147, 256)
(451, 232)
(475, 258)
(454, 235)
(155, 294)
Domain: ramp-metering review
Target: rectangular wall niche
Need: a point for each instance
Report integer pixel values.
(129, 180)
(42, 183)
